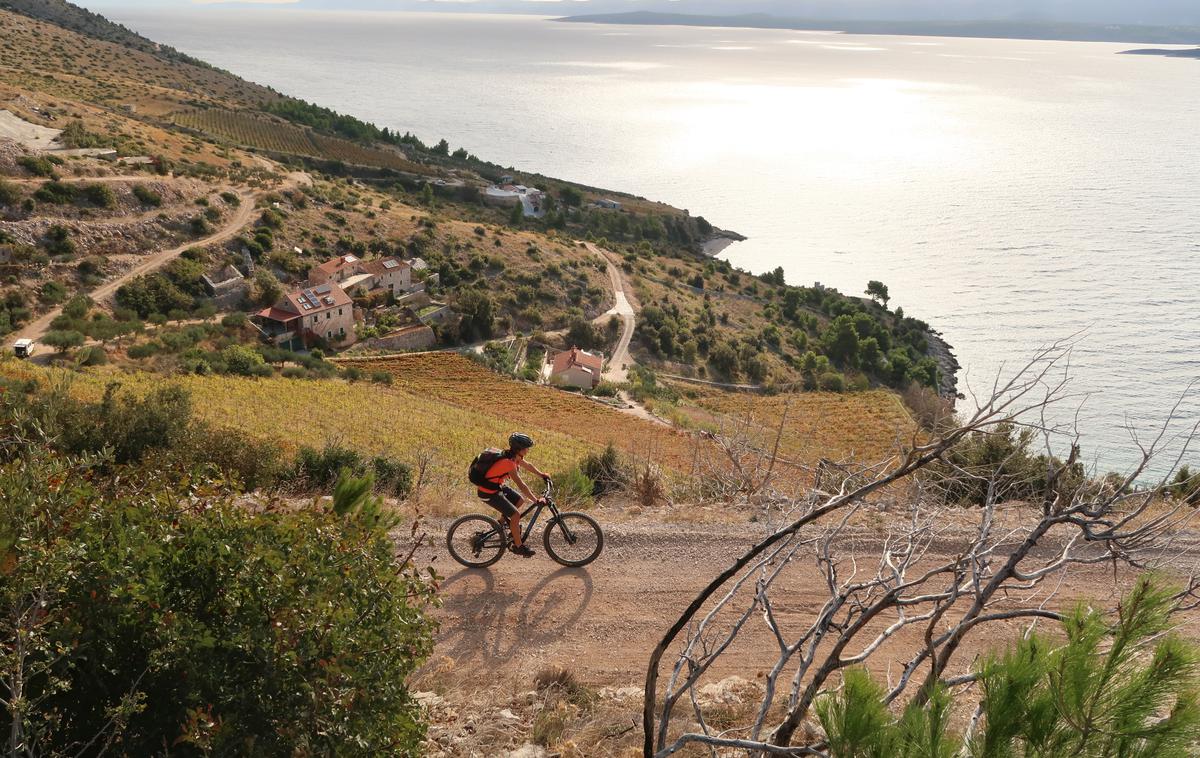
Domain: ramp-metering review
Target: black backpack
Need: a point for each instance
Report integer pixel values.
(483, 463)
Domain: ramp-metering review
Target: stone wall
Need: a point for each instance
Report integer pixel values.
(411, 338)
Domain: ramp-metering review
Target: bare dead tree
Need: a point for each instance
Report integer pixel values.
(942, 574)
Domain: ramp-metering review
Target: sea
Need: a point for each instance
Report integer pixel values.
(1014, 194)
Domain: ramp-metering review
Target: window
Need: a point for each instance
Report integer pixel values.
(339, 311)
(329, 335)
(316, 319)
(328, 315)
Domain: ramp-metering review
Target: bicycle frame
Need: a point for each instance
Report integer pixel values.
(536, 508)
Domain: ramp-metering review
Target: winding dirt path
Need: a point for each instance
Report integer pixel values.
(617, 368)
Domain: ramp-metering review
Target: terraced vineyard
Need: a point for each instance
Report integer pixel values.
(458, 381)
(865, 426)
(451, 407)
(267, 133)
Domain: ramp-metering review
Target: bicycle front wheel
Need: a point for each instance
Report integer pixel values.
(476, 541)
(573, 539)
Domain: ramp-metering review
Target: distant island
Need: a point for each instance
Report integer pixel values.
(1156, 35)
(1195, 53)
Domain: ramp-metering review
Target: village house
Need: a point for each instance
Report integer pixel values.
(355, 275)
(533, 200)
(324, 312)
(577, 368)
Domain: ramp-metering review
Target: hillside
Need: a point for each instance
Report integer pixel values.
(444, 408)
(199, 134)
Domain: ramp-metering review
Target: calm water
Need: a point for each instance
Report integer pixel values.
(1011, 193)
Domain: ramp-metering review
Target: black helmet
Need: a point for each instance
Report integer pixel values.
(519, 441)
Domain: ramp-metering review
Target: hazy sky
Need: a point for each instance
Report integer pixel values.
(1186, 12)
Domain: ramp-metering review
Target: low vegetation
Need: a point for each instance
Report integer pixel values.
(143, 607)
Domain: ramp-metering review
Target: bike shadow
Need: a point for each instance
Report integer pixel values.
(488, 625)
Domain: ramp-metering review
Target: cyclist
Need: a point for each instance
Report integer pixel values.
(504, 498)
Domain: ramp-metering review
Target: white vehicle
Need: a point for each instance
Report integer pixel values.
(23, 348)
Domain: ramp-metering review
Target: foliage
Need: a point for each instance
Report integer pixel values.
(9, 193)
(321, 469)
(1115, 688)
(477, 315)
(606, 470)
(178, 287)
(1010, 470)
(63, 340)
(146, 616)
(878, 291)
(39, 165)
(147, 196)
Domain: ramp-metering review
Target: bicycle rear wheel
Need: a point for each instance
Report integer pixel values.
(476, 541)
(573, 539)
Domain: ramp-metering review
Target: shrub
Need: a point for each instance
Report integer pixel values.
(63, 340)
(574, 488)
(39, 165)
(352, 373)
(319, 469)
(163, 619)
(52, 292)
(1114, 689)
(10, 194)
(832, 381)
(382, 377)
(99, 195)
(58, 240)
(392, 476)
(144, 350)
(241, 360)
(92, 355)
(55, 193)
(606, 470)
(147, 196)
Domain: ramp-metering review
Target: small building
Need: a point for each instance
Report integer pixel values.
(608, 203)
(577, 368)
(226, 286)
(532, 199)
(355, 275)
(322, 312)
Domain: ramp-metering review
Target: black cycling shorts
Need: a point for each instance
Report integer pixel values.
(505, 501)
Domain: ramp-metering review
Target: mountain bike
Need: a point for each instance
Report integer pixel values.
(572, 539)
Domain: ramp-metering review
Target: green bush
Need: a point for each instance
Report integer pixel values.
(147, 196)
(1115, 688)
(56, 193)
(63, 340)
(382, 377)
(52, 292)
(149, 617)
(242, 361)
(392, 476)
(319, 469)
(92, 355)
(99, 195)
(10, 193)
(606, 470)
(39, 165)
(573, 488)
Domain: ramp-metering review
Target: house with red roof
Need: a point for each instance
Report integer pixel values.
(301, 318)
(577, 368)
(355, 275)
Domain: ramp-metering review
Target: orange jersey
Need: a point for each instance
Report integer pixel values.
(500, 470)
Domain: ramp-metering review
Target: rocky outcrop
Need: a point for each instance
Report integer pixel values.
(948, 365)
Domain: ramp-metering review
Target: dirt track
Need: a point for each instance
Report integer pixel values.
(502, 624)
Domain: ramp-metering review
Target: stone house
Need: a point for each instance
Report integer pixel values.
(302, 317)
(355, 275)
(577, 368)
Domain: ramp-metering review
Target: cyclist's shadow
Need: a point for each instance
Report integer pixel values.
(492, 625)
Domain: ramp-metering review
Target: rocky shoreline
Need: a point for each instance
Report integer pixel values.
(718, 241)
(948, 365)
